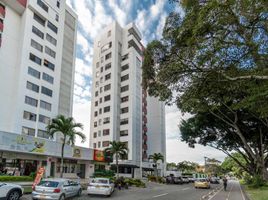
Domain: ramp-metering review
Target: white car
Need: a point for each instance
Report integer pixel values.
(10, 191)
(102, 186)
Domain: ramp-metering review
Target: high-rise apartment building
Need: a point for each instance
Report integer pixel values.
(37, 56)
(119, 105)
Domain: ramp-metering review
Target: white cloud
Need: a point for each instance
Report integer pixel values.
(81, 40)
(82, 68)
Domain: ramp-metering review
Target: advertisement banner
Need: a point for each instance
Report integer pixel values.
(99, 156)
(39, 176)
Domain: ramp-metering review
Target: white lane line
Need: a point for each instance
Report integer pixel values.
(242, 192)
(160, 195)
(215, 194)
(230, 192)
(185, 188)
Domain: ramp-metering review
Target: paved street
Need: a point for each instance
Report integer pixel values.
(153, 191)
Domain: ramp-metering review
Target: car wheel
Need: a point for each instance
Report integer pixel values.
(14, 195)
(62, 197)
(79, 193)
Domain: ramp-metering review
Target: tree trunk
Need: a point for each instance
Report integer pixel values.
(62, 156)
(117, 165)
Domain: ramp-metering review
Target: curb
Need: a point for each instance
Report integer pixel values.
(244, 192)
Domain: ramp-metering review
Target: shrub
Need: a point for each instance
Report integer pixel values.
(15, 178)
(152, 178)
(33, 174)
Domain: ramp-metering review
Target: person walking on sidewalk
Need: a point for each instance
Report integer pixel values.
(225, 183)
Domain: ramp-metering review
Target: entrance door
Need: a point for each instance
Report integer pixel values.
(82, 171)
(52, 169)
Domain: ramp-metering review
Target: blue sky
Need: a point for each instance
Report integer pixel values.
(149, 16)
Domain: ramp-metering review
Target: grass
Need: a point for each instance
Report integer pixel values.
(257, 193)
(27, 189)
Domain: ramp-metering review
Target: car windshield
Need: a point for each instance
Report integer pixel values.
(48, 184)
(202, 180)
(103, 181)
(2, 184)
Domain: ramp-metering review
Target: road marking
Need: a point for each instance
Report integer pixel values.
(230, 192)
(185, 188)
(215, 194)
(242, 192)
(160, 195)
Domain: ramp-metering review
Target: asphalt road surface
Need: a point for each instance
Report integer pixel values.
(155, 192)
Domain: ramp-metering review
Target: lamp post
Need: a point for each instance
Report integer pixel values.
(205, 163)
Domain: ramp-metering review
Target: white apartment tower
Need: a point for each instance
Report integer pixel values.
(119, 105)
(37, 57)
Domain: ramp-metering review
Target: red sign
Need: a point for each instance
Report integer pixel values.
(38, 177)
(99, 156)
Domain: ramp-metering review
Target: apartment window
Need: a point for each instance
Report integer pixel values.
(35, 59)
(48, 78)
(28, 131)
(44, 119)
(109, 33)
(109, 55)
(107, 98)
(101, 79)
(45, 105)
(124, 110)
(42, 134)
(96, 103)
(42, 5)
(95, 113)
(100, 111)
(107, 76)
(124, 99)
(107, 87)
(100, 122)
(32, 86)
(101, 69)
(29, 116)
(124, 78)
(49, 65)
(95, 135)
(94, 145)
(97, 74)
(125, 57)
(101, 100)
(108, 66)
(105, 143)
(99, 133)
(106, 132)
(106, 109)
(50, 52)
(33, 72)
(96, 93)
(124, 121)
(37, 32)
(99, 144)
(46, 91)
(97, 84)
(106, 120)
(57, 17)
(100, 89)
(124, 88)
(52, 27)
(58, 3)
(102, 59)
(95, 124)
(51, 39)
(31, 101)
(39, 19)
(36, 45)
(124, 133)
(125, 67)
(106, 47)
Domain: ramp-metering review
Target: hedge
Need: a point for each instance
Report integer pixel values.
(15, 178)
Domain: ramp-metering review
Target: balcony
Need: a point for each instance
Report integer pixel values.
(145, 137)
(18, 5)
(2, 11)
(144, 147)
(145, 119)
(144, 129)
(133, 42)
(1, 26)
(23, 2)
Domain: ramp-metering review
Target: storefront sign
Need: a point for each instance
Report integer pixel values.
(38, 177)
(99, 156)
(76, 152)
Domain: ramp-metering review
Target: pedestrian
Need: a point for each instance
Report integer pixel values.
(225, 183)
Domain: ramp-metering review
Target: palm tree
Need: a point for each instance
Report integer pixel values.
(67, 127)
(155, 157)
(119, 150)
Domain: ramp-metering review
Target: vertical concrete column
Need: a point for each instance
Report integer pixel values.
(47, 168)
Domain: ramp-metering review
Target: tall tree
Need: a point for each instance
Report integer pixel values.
(67, 127)
(187, 166)
(212, 63)
(155, 158)
(119, 150)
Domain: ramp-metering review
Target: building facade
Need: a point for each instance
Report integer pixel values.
(37, 60)
(118, 101)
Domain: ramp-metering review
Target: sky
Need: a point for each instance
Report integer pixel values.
(149, 16)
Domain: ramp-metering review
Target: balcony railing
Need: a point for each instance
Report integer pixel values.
(2, 11)
(1, 26)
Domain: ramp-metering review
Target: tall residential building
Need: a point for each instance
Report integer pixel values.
(37, 60)
(119, 105)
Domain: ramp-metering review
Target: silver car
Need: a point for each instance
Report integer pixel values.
(102, 186)
(10, 191)
(56, 188)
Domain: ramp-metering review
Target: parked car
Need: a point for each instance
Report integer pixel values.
(178, 180)
(185, 179)
(10, 191)
(214, 180)
(102, 186)
(56, 188)
(202, 183)
(191, 180)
